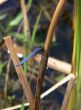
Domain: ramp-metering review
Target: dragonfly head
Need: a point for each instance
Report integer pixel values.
(41, 49)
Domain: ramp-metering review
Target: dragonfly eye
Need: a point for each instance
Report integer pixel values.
(42, 47)
(41, 50)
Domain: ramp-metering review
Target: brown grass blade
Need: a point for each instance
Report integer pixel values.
(20, 73)
(67, 94)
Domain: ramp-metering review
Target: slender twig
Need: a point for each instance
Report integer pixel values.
(20, 73)
(25, 19)
(2, 44)
(19, 28)
(16, 107)
(60, 83)
(7, 78)
(67, 94)
(48, 41)
(36, 73)
(46, 13)
(46, 93)
(26, 30)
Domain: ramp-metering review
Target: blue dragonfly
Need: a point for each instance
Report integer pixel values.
(34, 52)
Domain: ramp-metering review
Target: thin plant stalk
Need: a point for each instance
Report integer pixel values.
(43, 62)
(26, 30)
(7, 78)
(35, 29)
(77, 54)
(72, 98)
(67, 94)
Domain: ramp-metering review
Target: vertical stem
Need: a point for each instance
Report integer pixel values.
(7, 78)
(67, 94)
(26, 30)
(72, 98)
(48, 41)
(25, 20)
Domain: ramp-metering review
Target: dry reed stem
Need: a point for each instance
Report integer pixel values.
(46, 93)
(53, 23)
(16, 107)
(67, 94)
(25, 18)
(58, 84)
(26, 31)
(43, 62)
(56, 64)
(20, 73)
(7, 77)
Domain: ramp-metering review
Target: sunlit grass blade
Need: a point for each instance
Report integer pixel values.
(19, 17)
(29, 4)
(16, 20)
(2, 66)
(22, 107)
(35, 28)
(77, 56)
(3, 16)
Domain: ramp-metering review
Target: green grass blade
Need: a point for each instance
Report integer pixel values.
(76, 58)
(19, 17)
(35, 28)
(16, 20)
(78, 52)
(3, 16)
